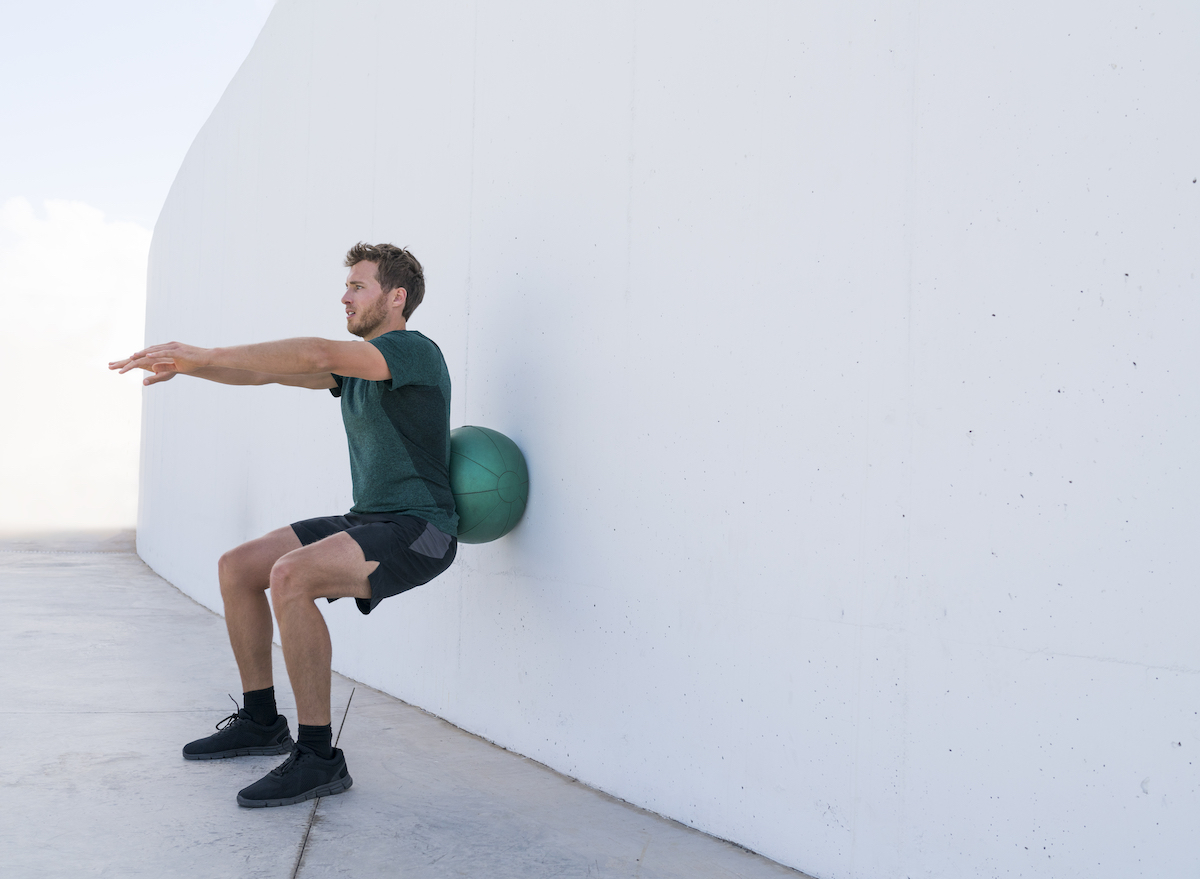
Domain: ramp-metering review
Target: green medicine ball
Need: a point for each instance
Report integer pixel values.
(490, 483)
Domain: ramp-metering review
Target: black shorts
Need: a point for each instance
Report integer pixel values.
(409, 550)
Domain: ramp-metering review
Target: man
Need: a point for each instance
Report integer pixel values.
(400, 533)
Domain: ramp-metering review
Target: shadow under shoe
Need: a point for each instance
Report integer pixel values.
(239, 736)
(302, 776)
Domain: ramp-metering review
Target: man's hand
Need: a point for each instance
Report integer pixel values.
(163, 362)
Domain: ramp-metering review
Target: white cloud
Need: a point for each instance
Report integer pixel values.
(72, 297)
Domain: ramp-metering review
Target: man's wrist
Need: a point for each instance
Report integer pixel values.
(209, 357)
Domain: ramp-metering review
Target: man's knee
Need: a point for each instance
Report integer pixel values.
(288, 582)
(233, 572)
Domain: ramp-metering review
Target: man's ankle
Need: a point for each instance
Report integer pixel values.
(318, 739)
(260, 705)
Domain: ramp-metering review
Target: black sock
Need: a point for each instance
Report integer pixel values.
(260, 705)
(318, 739)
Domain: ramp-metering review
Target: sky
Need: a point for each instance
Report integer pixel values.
(99, 104)
(102, 100)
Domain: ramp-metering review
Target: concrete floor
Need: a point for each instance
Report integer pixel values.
(108, 670)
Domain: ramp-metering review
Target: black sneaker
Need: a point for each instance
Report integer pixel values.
(300, 777)
(240, 736)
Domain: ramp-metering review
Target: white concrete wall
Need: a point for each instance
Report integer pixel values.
(853, 351)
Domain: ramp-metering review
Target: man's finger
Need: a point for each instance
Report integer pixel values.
(147, 363)
(157, 349)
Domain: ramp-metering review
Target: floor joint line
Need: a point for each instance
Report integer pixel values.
(312, 815)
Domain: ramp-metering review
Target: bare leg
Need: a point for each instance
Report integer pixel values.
(245, 576)
(331, 568)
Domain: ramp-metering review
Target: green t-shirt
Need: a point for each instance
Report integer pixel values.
(399, 432)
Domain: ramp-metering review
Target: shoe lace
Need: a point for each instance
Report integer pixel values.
(286, 766)
(221, 724)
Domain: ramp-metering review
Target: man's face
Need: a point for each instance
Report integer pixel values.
(367, 305)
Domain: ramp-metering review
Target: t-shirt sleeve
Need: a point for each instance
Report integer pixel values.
(336, 390)
(411, 358)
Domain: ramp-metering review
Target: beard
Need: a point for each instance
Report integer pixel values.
(365, 323)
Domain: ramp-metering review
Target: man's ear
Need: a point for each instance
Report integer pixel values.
(399, 298)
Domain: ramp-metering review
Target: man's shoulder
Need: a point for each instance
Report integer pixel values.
(413, 357)
(412, 341)
(404, 337)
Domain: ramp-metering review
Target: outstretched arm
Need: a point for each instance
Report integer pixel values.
(307, 362)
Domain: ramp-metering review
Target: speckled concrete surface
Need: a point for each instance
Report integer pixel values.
(108, 670)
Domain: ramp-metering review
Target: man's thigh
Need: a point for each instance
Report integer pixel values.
(251, 562)
(333, 567)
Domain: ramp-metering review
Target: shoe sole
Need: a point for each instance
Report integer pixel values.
(269, 751)
(323, 790)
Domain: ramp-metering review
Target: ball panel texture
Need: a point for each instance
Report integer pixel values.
(490, 483)
(468, 476)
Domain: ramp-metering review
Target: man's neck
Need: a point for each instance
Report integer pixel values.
(386, 328)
